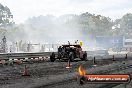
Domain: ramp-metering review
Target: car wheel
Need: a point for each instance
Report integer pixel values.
(52, 57)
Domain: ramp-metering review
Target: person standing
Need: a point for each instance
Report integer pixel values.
(68, 43)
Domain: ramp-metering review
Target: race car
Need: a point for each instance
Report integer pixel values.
(69, 52)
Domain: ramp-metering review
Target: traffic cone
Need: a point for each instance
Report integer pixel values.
(2, 62)
(18, 62)
(25, 72)
(68, 65)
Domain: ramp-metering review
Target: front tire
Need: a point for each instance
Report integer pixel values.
(52, 57)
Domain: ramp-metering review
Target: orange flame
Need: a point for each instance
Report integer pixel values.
(81, 71)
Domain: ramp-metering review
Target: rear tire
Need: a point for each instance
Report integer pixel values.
(84, 57)
(52, 57)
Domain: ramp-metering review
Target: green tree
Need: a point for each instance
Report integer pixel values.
(6, 17)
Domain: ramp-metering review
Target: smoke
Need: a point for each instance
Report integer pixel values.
(48, 30)
(53, 30)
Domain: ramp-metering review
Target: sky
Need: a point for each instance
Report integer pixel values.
(24, 9)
